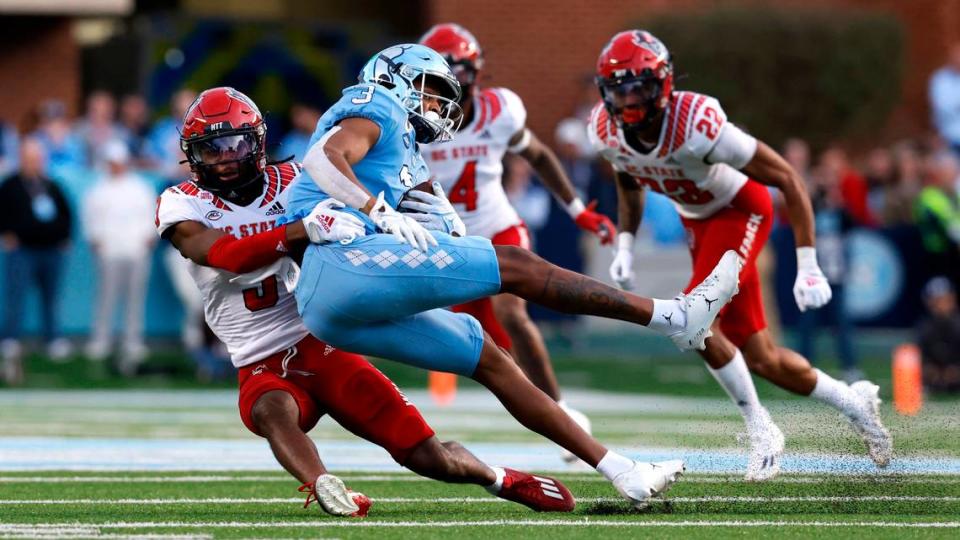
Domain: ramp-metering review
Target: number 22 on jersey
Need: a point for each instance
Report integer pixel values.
(465, 190)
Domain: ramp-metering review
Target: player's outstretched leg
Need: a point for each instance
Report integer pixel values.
(275, 415)
(727, 365)
(686, 319)
(858, 402)
(636, 481)
(450, 462)
(531, 352)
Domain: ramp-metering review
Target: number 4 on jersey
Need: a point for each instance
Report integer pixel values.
(465, 190)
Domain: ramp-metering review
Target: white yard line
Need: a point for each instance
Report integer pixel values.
(477, 500)
(492, 523)
(350, 477)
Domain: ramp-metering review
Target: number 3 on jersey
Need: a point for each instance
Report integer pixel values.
(263, 296)
(465, 190)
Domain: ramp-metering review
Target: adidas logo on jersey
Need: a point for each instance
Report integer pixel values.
(277, 208)
(549, 487)
(485, 134)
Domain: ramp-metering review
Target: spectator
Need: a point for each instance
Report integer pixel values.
(98, 126)
(303, 120)
(899, 198)
(881, 175)
(9, 141)
(939, 337)
(35, 229)
(134, 126)
(63, 149)
(945, 100)
(853, 186)
(832, 222)
(938, 216)
(163, 141)
(118, 216)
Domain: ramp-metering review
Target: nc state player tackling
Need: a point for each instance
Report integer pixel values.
(680, 144)
(224, 222)
(470, 168)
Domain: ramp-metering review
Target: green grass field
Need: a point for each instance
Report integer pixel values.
(162, 457)
(266, 504)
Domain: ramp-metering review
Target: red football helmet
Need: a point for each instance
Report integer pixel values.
(460, 49)
(224, 139)
(635, 78)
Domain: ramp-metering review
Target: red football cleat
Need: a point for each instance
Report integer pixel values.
(541, 493)
(363, 503)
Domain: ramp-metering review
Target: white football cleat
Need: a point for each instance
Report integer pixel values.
(766, 451)
(704, 302)
(581, 420)
(334, 497)
(869, 427)
(647, 480)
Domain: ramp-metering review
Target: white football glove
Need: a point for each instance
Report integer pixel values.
(404, 228)
(621, 270)
(811, 290)
(325, 224)
(433, 211)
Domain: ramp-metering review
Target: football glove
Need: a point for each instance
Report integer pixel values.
(433, 211)
(404, 228)
(596, 223)
(621, 270)
(811, 289)
(325, 224)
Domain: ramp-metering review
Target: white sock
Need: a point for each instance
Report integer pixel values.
(837, 394)
(497, 484)
(736, 380)
(667, 317)
(613, 465)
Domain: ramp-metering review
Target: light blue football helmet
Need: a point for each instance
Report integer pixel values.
(405, 70)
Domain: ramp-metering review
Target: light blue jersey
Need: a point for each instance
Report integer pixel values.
(376, 295)
(393, 165)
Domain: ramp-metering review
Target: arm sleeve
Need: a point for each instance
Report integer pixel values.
(242, 255)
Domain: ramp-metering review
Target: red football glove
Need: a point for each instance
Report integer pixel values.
(596, 223)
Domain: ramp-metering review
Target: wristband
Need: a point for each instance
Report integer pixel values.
(575, 207)
(625, 241)
(807, 258)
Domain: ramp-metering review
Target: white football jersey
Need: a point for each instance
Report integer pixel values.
(254, 322)
(470, 167)
(677, 167)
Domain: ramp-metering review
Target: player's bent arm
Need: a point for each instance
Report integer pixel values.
(545, 162)
(768, 167)
(329, 161)
(217, 249)
(551, 173)
(630, 199)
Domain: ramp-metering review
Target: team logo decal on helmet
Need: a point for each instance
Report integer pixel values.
(635, 78)
(224, 139)
(406, 71)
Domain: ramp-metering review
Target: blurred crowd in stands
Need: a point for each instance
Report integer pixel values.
(125, 158)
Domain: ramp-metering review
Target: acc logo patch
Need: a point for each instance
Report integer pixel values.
(214, 215)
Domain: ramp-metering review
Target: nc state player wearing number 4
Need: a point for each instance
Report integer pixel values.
(470, 168)
(680, 144)
(224, 221)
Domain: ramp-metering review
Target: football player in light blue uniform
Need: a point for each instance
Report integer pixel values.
(381, 294)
